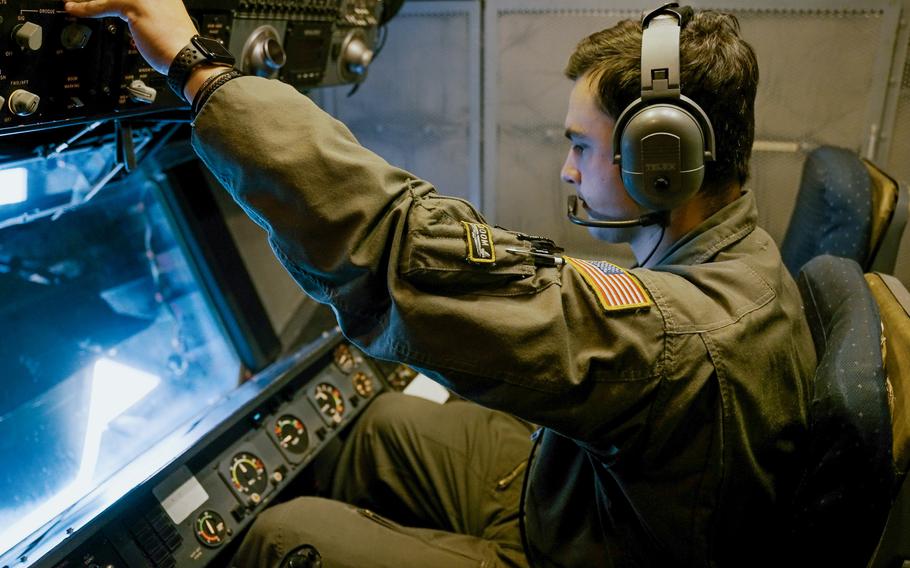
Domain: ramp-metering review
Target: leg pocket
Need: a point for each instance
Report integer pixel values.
(429, 547)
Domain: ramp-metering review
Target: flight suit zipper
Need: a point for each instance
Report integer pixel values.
(504, 483)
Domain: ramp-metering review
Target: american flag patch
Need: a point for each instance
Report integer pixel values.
(614, 287)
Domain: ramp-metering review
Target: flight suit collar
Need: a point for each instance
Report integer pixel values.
(725, 227)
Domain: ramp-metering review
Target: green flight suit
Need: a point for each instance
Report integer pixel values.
(672, 415)
(450, 475)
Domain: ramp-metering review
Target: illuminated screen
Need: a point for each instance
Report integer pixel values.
(13, 186)
(106, 339)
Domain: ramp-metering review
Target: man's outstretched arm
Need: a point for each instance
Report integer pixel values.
(412, 275)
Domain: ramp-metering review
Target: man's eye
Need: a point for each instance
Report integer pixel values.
(578, 148)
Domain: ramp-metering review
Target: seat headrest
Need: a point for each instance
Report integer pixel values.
(833, 212)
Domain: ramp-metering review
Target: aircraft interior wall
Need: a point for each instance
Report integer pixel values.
(831, 74)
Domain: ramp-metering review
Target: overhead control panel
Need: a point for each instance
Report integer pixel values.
(57, 70)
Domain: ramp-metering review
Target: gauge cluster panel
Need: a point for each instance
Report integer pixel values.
(57, 70)
(205, 504)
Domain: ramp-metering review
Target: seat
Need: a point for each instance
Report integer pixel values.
(893, 301)
(846, 206)
(890, 208)
(842, 501)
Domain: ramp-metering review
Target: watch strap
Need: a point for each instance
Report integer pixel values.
(188, 58)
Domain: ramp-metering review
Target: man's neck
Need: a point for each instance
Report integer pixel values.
(652, 242)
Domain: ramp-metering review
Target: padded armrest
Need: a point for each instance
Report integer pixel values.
(846, 491)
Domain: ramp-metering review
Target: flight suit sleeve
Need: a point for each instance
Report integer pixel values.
(421, 278)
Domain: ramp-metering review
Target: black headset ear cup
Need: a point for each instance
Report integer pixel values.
(662, 148)
(663, 139)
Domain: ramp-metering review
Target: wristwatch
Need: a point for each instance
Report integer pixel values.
(200, 51)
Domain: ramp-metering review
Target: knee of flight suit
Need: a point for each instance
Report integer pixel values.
(267, 522)
(386, 406)
(387, 413)
(384, 425)
(278, 530)
(262, 541)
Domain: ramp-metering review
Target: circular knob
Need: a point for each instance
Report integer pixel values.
(75, 36)
(263, 54)
(23, 103)
(356, 56)
(268, 56)
(304, 557)
(29, 36)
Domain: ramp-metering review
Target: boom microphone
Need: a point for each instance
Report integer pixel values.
(645, 220)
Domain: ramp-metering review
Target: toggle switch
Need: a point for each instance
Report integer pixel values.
(141, 93)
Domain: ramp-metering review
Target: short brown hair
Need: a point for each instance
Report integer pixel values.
(718, 70)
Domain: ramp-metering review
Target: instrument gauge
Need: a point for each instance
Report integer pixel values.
(401, 377)
(329, 401)
(344, 358)
(210, 529)
(363, 384)
(291, 434)
(248, 475)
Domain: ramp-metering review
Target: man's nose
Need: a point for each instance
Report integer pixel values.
(570, 173)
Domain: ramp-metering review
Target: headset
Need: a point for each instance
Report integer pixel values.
(663, 139)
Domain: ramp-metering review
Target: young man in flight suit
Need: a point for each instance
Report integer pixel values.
(671, 397)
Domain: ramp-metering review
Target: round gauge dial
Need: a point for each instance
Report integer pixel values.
(363, 384)
(248, 475)
(401, 377)
(329, 401)
(344, 358)
(291, 434)
(210, 529)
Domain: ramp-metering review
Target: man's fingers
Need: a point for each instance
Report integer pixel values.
(160, 28)
(93, 8)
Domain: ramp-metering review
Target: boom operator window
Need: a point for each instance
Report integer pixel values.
(106, 339)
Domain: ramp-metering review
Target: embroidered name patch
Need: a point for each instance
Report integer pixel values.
(480, 242)
(615, 288)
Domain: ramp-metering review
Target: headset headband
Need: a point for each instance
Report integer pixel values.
(660, 51)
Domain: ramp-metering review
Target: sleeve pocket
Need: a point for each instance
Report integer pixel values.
(437, 251)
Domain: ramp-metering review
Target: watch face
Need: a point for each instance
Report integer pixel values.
(213, 50)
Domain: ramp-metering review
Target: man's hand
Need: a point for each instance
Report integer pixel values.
(160, 28)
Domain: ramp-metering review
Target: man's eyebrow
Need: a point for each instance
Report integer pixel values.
(574, 134)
